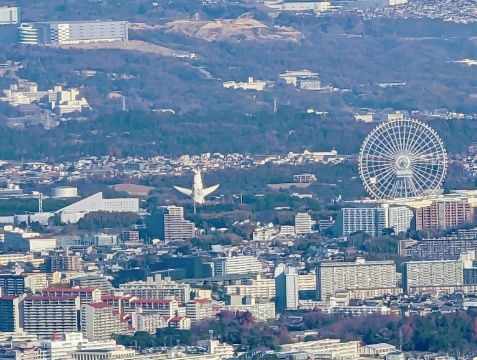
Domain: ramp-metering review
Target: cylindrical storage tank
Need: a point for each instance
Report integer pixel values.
(64, 192)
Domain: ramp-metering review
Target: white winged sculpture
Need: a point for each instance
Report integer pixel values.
(198, 193)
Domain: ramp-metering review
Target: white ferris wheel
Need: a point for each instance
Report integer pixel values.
(402, 158)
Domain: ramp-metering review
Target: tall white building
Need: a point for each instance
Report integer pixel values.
(9, 15)
(370, 220)
(399, 218)
(175, 227)
(374, 220)
(286, 284)
(378, 276)
(99, 321)
(303, 223)
(237, 265)
(419, 275)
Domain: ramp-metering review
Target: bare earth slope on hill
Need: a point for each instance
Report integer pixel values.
(242, 28)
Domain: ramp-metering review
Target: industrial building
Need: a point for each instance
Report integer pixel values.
(74, 212)
(72, 32)
(9, 15)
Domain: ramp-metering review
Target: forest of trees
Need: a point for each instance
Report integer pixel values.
(147, 134)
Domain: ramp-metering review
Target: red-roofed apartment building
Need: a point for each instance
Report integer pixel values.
(162, 307)
(99, 321)
(86, 294)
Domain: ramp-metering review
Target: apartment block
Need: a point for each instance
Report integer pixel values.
(99, 321)
(303, 224)
(87, 295)
(370, 220)
(93, 281)
(14, 285)
(421, 275)
(157, 288)
(174, 226)
(64, 263)
(260, 288)
(376, 276)
(165, 308)
(286, 284)
(444, 214)
(47, 315)
(338, 350)
(199, 309)
(148, 321)
(10, 313)
(437, 249)
(261, 311)
(237, 265)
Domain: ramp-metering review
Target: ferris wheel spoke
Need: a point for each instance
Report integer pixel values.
(425, 175)
(415, 141)
(387, 148)
(432, 175)
(380, 148)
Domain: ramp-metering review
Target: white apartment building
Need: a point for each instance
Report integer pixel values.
(147, 321)
(260, 288)
(374, 220)
(307, 281)
(337, 349)
(157, 288)
(399, 218)
(303, 224)
(370, 220)
(175, 227)
(286, 284)
(360, 275)
(87, 295)
(199, 309)
(165, 308)
(237, 265)
(99, 321)
(419, 275)
(260, 311)
(47, 315)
